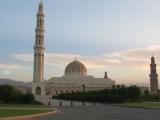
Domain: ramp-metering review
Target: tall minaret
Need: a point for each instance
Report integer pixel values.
(38, 72)
(153, 77)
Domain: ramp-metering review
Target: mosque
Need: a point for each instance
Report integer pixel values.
(75, 78)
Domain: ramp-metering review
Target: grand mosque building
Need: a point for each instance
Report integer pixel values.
(75, 78)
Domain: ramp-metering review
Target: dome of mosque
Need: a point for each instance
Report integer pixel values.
(75, 67)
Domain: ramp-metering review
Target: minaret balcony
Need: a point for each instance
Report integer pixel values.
(40, 29)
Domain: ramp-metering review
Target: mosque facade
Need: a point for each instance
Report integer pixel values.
(75, 78)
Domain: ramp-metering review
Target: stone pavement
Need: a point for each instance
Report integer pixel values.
(100, 112)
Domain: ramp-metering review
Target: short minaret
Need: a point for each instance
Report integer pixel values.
(153, 77)
(38, 72)
(106, 75)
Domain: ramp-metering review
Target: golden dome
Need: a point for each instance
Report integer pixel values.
(75, 67)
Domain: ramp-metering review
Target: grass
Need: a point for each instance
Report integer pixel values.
(10, 110)
(146, 105)
(11, 113)
(22, 106)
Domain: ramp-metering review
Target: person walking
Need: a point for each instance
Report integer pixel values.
(49, 104)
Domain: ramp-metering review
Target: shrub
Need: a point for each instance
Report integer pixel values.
(8, 93)
(133, 92)
(27, 98)
(117, 94)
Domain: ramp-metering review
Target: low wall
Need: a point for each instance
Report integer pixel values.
(55, 102)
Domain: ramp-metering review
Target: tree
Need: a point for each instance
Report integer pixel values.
(133, 92)
(115, 95)
(8, 93)
(27, 98)
(146, 93)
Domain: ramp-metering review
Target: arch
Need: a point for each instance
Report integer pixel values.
(39, 39)
(38, 90)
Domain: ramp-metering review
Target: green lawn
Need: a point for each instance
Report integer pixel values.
(147, 105)
(23, 105)
(20, 110)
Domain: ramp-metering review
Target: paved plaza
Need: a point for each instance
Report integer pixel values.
(100, 112)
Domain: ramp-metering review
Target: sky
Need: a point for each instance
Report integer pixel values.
(117, 36)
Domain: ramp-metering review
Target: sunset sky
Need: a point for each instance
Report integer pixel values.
(117, 36)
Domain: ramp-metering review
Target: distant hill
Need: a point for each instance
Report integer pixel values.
(15, 83)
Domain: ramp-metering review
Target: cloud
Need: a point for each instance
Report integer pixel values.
(137, 58)
(23, 57)
(140, 55)
(7, 72)
(10, 66)
(64, 59)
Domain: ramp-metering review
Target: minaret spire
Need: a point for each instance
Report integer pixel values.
(153, 76)
(105, 75)
(38, 72)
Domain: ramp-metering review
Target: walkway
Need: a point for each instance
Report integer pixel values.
(100, 112)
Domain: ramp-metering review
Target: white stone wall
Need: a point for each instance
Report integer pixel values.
(42, 85)
(70, 84)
